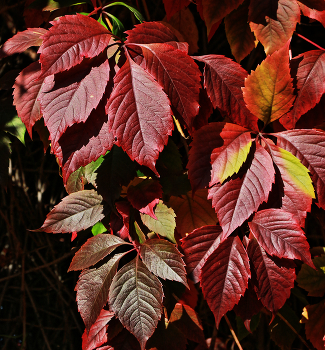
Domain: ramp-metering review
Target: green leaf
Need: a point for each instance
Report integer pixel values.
(313, 280)
(141, 235)
(51, 5)
(165, 225)
(118, 27)
(16, 128)
(98, 228)
(136, 13)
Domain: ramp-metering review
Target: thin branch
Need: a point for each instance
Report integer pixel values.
(311, 42)
(233, 333)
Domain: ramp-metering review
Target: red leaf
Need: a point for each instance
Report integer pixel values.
(239, 34)
(92, 289)
(22, 41)
(164, 260)
(235, 201)
(312, 13)
(136, 298)
(224, 277)
(215, 136)
(70, 40)
(315, 324)
(297, 198)
(83, 143)
(27, 88)
(150, 32)
(279, 30)
(310, 78)
(274, 281)
(192, 211)
(214, 11)
(75, 212)
(223, 79)
(139, 114)
(268, 90)
(70, 97)
(97, 334)
(318, 5)
(177, 73)
(309, 147)
(174, 6)
(280, 235)
(95, 249)
(198, 246)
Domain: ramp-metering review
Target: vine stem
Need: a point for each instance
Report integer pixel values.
(233, 333)
(311, 42)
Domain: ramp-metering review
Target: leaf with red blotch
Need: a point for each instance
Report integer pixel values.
(318, 5)
(136, 298)
(310, 77)
(223, 80)
(83, 143)
(139, 114)
(312, 13)
(92, 289)
(22, 41)
(164, 260)
(214, 11)
(95, 249)
(236, 200)
(76, 212)
(69, 97)
(309, 147)
(298, 188)
(178, 74)
(273, 280)
(229, 158)
(215, 136)
(224, 277)
(313, 280)
(277, 32)
(148, 33)
(97, 335)
(198, 246)
(238, 32)
(279, 234)
(268, 90)
(192, 211)
(69, 41)
(27, 88)
(174, 6)
(313, 317)
(144, 193)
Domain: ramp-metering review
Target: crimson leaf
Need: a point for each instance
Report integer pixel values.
(224, 277)
(136, 298)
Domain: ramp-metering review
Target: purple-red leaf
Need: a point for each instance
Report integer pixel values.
(309, 147)
(136, 298)
(216, 136)
(144, 193)
(92, 289)
(177, 73)
(198, 246)
(69, 97)
(26, 91)
(310, 78)
(164, 260)
(224, 277)
(236, 200)
(76, 212)
(274, 281)
(94, 250)
(22, 41)
(223, 79)
(139, 114)
(97, 334)
(70, 40)
(174, 6)
(279, 234)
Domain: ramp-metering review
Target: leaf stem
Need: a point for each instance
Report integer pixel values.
(291, 327)
(311, 42)
(233, 333)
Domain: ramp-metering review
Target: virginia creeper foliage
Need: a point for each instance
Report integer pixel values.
(228, 209)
